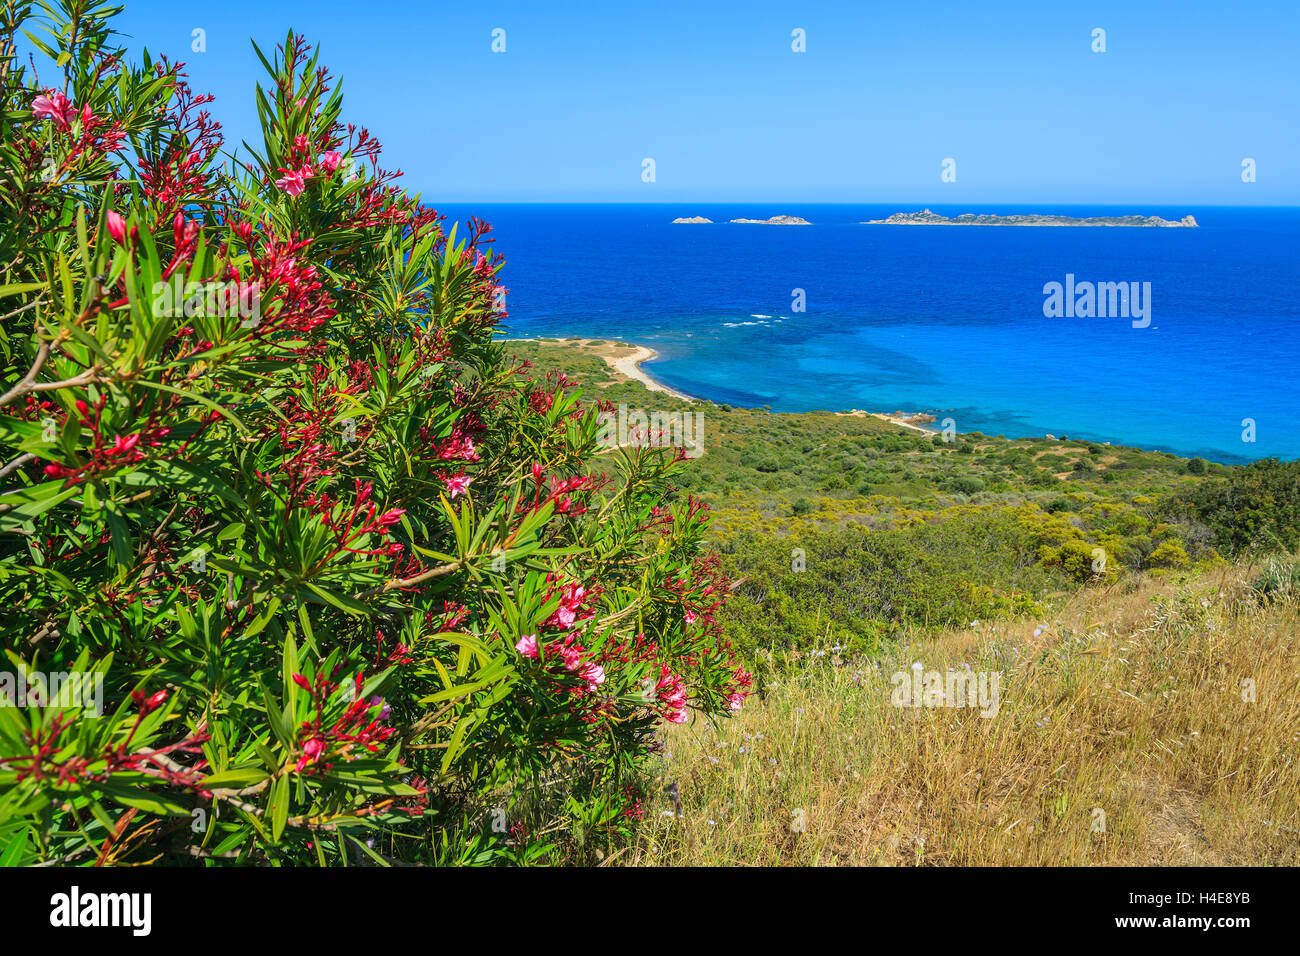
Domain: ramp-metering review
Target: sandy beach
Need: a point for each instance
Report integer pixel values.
(903, 419)
(625, 361)
(630, 366)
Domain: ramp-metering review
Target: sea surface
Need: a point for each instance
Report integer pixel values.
(942, 319)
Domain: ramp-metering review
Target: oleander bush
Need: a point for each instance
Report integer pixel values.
(351, 585)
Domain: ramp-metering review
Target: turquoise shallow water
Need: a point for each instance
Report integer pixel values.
(935, 318)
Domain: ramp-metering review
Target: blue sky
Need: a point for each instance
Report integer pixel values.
(714, 94)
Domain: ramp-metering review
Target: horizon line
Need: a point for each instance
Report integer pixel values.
(843, 202)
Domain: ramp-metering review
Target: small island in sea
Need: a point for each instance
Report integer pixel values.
(927, 218)
(776, 221)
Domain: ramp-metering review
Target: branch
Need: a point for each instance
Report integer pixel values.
(19, 311)
(417, 579)
(16, 464)
(42, 353)
(29, 383)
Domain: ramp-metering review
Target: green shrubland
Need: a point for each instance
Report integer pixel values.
(847, 531)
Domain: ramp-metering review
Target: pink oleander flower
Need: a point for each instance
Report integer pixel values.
(184, 234)
(735, 700)
(329, 161)
(690, 618)
(527, 645)
(123, 445)
(116, 227)
(311, 751)
(594, 675)
(572, 657)
(671, 692)
(384, 708)
(458, 446)
(571, 600)
(148, 704)
(294, 182)
(676, 699)
(57, 107)
(457, 484)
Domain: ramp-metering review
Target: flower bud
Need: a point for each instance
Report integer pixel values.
(117, 227)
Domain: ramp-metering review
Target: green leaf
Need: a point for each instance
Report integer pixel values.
(18, 288)
(289, 663)
(27, 503)
(279, 807)
(339, 601)
(158, 803)
(15, 848)
(237, 778)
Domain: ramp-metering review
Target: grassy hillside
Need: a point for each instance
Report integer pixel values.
(1129, 700)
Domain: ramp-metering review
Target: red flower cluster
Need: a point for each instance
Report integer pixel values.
(103, 454)
(180, 174)
(45, 765)
(360, 726)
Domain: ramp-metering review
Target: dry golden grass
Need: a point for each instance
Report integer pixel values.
(1131, 702)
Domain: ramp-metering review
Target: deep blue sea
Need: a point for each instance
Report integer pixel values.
(943, 319)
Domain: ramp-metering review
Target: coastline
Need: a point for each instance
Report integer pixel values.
(900, 418)
(626, 360)
(630, 365)
(623, 360)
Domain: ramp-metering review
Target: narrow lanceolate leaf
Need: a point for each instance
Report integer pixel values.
(279, 807)
(236, 779)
